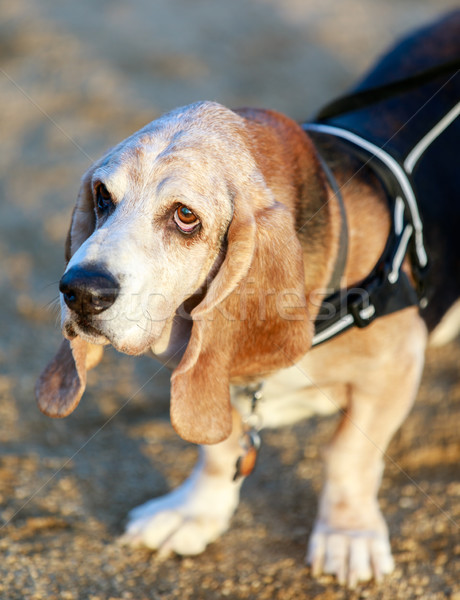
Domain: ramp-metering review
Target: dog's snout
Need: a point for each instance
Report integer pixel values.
(88, 291)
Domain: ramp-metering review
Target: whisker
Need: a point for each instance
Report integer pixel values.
(48, 285)
(53, 303)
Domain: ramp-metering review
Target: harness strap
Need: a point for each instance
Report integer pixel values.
(382, 161)
(342, 254)
(387, 288)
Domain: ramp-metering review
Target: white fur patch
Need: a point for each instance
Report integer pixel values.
(187, 519)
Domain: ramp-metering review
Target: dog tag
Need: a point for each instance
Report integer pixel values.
(247, 461)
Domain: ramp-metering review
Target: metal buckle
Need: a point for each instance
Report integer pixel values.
(250, 443)
(250, 439)
(362, 315)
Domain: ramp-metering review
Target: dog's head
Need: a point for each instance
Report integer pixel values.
(177, 222)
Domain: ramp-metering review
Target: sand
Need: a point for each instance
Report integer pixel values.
(76, 78)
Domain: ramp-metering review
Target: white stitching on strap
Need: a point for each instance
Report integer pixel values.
(397, 171)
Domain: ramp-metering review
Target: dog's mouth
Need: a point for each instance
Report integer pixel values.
(89, 331)
(82, 328)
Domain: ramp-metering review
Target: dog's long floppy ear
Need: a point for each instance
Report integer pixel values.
(83, 221)
(61, 385)
(253, 320)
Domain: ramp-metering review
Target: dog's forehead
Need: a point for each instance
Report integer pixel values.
(190, 145)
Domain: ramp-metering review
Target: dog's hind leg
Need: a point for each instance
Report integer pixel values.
(350, 536)
(197, 512)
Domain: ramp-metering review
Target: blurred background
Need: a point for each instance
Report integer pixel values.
(77, 77)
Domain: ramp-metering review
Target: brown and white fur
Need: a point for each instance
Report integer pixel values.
(234, 302)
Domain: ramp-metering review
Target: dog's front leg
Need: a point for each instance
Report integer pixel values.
(350, 536)
(197, 512)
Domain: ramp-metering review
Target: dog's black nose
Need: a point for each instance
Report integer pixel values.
(88, 291)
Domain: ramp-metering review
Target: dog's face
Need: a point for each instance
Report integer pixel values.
(196, 208)
(160, 205)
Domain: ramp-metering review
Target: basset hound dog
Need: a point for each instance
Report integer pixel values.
(220, 240)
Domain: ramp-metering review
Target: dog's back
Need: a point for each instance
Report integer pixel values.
(399, 123)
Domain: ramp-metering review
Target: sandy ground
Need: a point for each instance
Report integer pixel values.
(76, 78)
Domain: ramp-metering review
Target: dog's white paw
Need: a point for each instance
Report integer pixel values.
(186, 520)
(351, 556)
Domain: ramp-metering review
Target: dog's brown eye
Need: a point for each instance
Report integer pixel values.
(103, 198)
(185, 219)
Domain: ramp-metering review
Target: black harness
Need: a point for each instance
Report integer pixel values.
(387, 288)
